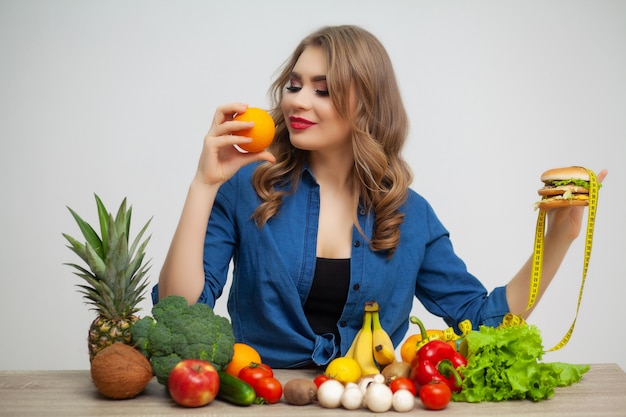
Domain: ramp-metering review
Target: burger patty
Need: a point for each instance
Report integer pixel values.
(562, 189)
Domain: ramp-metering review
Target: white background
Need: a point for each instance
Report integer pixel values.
(115, 97)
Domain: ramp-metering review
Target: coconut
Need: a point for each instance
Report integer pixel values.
(120, 371)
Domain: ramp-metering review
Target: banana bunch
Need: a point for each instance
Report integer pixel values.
(372, 347)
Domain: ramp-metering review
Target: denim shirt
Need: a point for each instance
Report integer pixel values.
(273, 270)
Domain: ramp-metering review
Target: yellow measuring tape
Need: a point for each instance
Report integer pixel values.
(537, 260)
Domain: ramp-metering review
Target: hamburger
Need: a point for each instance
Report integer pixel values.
(564, 187)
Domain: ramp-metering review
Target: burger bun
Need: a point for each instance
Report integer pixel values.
(548, 204)
(556, 174)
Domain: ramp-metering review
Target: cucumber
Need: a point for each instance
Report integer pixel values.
(235, 390)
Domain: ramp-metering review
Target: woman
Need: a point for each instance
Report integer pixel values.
(324, 221)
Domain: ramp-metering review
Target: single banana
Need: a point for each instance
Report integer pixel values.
(355, 341)
(382, 346)
(363, 349)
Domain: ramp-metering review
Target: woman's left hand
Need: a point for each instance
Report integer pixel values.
(566, 222)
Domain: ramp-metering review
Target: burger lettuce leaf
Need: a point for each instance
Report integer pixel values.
(504, 363)
(575, 181)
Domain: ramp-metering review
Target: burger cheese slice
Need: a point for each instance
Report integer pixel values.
(567, 186)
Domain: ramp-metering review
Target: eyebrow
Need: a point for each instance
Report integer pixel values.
(314, 78)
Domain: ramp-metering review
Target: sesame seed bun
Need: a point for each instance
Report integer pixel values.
(556, 174)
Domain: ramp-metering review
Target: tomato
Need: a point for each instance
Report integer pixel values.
(435, 396)
(403, 383)
(269, 389)
(320, 379)
(255, 371)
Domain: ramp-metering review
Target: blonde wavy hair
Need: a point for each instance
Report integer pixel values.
(357, 62)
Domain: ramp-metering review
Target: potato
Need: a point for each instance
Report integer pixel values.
(300, 391)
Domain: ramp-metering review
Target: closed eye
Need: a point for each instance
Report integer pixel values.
(295, 84)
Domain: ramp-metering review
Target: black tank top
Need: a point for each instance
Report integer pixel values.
(328, 295)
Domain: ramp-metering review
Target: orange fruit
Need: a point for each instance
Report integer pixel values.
(262, 133)
(244, 355)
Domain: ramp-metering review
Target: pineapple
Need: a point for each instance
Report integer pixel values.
(116, 279)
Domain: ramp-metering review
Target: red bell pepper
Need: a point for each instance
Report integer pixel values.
(437, 361)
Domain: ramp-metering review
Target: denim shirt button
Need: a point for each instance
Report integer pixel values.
(357, 243)
(342, 324)
(356, 287)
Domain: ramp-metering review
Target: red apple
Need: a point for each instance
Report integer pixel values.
(193, 383)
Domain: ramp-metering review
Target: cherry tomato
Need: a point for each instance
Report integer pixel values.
(403, 383)
(269, 389)
(255, 371)
(320, 379)
(435, 396)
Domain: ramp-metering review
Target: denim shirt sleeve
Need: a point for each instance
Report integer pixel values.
(446, 288)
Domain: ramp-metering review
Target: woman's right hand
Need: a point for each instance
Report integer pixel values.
(220, 160)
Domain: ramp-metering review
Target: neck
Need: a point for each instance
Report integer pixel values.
(331, 170)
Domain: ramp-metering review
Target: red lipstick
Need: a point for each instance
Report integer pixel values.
(299, 123)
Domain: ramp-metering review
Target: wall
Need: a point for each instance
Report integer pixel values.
(115, 98)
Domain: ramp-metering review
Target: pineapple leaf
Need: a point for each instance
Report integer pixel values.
(127, 221)
(136, 279)
(117, 258)
(107, 297)
(137, 294)
(136, 262)
(95, 262)
(95, 284)
(122, 220)
(90, 235)
(77, 247)
(93, 299)
(103, 218)
(90, 294)
(81, 269)
(133, 247)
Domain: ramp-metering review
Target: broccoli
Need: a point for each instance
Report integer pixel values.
(178, 331)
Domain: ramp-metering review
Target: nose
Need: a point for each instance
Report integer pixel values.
(302, 99)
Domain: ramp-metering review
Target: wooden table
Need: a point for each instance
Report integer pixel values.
(601, 392)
